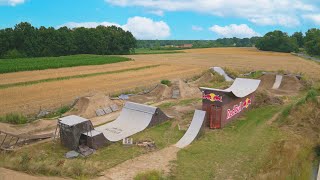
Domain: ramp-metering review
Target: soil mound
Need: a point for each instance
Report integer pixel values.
(290, 83)
(187, 91)
(267, 81)
(205, 78)
(86, 106)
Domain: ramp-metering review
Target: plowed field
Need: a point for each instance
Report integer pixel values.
(50, 95)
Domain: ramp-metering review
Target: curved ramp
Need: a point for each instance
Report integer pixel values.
(220, 71)
(193, 130)
(277, 82)
(241, 87)
(133, 118)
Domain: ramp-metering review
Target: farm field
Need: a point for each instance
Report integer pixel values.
(31, 64)
(29, 98)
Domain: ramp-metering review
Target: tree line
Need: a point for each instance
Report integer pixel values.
(24, 40)
(222, 42)
(281, 42)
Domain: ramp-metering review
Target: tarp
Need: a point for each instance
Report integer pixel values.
(241, 87)
(133, 118)
(193, 130)
(277, 82)
(220, 71)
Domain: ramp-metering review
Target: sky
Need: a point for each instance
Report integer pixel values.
(168, 19)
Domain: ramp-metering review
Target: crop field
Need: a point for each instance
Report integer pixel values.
(31, 64)
(28, 91)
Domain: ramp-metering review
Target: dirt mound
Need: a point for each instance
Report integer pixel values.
(187, 91)
(206, 77)
(87, 106)
(290, 83)
(159, 91)
(267, 81)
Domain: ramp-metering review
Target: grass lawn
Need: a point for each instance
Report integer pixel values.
(48, 158)
(30, 64)
(236, 152)
(150, 51)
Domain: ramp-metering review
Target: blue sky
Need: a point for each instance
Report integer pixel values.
(168, 19)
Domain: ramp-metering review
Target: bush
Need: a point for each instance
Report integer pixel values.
(14, 118)
(13, 54)
(150, 175)
(166, 82)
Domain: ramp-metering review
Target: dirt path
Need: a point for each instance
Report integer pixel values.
(158, 160)
(7, 174)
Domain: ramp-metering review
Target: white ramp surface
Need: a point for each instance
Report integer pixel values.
(241, 87)
(220, 71)
(133, 119)
(193, 130)
(277, 82)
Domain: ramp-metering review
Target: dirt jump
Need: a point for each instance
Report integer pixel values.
(280, 84)
(93, 106)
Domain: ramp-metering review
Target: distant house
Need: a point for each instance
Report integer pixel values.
(186, 46)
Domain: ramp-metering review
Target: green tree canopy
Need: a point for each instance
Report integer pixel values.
(312, 41)
(26, 40)
(299, 38)
(277, 41)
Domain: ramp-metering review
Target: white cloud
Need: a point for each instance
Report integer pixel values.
(196, 28)
(234, 30)
(261, 12)
(157, 12)
(11, 2)
(140, 27)
(315, 18)
(146, 28)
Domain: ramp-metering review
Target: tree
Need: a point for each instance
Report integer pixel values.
(26, 40)
(277, 41)
(299, 38)
(312, 41)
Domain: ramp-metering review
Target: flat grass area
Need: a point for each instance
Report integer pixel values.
(28, 83)
(236, 152)
(41, 63)
(150, 51)
(48, 158)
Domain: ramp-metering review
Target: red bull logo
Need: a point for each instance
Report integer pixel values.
(238, 108)
(212, 97)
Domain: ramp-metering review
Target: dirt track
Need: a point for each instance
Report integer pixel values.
(158, 160)
(51, 95)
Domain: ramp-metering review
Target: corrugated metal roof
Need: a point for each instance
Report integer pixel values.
(72, 120)
(193, 130)
(241, 87)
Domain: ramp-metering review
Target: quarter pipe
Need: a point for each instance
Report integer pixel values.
(220, 71)
(193, 130)
(133, 118)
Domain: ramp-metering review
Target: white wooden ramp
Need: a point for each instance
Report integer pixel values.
(241, 87)
(133, 118)
(193, 130)
(220, 71)
(277, 82)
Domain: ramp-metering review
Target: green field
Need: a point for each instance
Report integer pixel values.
(48, 158)
(31, 64)
(150, 51)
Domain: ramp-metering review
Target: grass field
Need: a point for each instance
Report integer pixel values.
(41, 63)
(150, 51)
(235, 152)
(48, 158)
